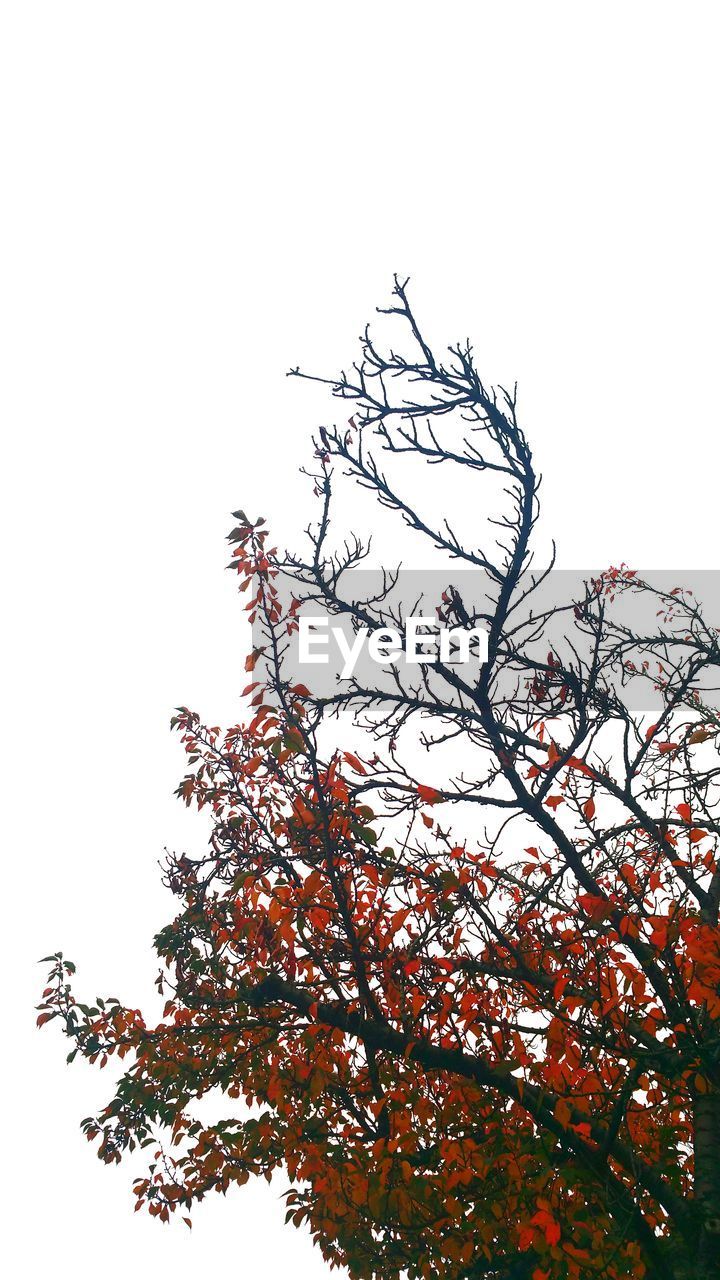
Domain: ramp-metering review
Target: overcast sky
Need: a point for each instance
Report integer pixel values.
(195, 197)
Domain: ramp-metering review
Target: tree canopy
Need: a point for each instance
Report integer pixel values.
(454, 941)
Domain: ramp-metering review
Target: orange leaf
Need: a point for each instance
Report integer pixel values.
(562, 1113)
(353, 761)
(700, 735)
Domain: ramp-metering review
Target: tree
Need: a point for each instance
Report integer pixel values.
(487, 1053)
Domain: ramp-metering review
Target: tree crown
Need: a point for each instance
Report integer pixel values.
(466, 975)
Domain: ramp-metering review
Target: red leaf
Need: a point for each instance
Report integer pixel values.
(552, 1232)
(429, 795)
(596, 908)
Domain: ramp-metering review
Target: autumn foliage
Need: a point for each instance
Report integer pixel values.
(474, 1013)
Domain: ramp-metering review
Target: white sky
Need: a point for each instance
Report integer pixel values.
(196, 196)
